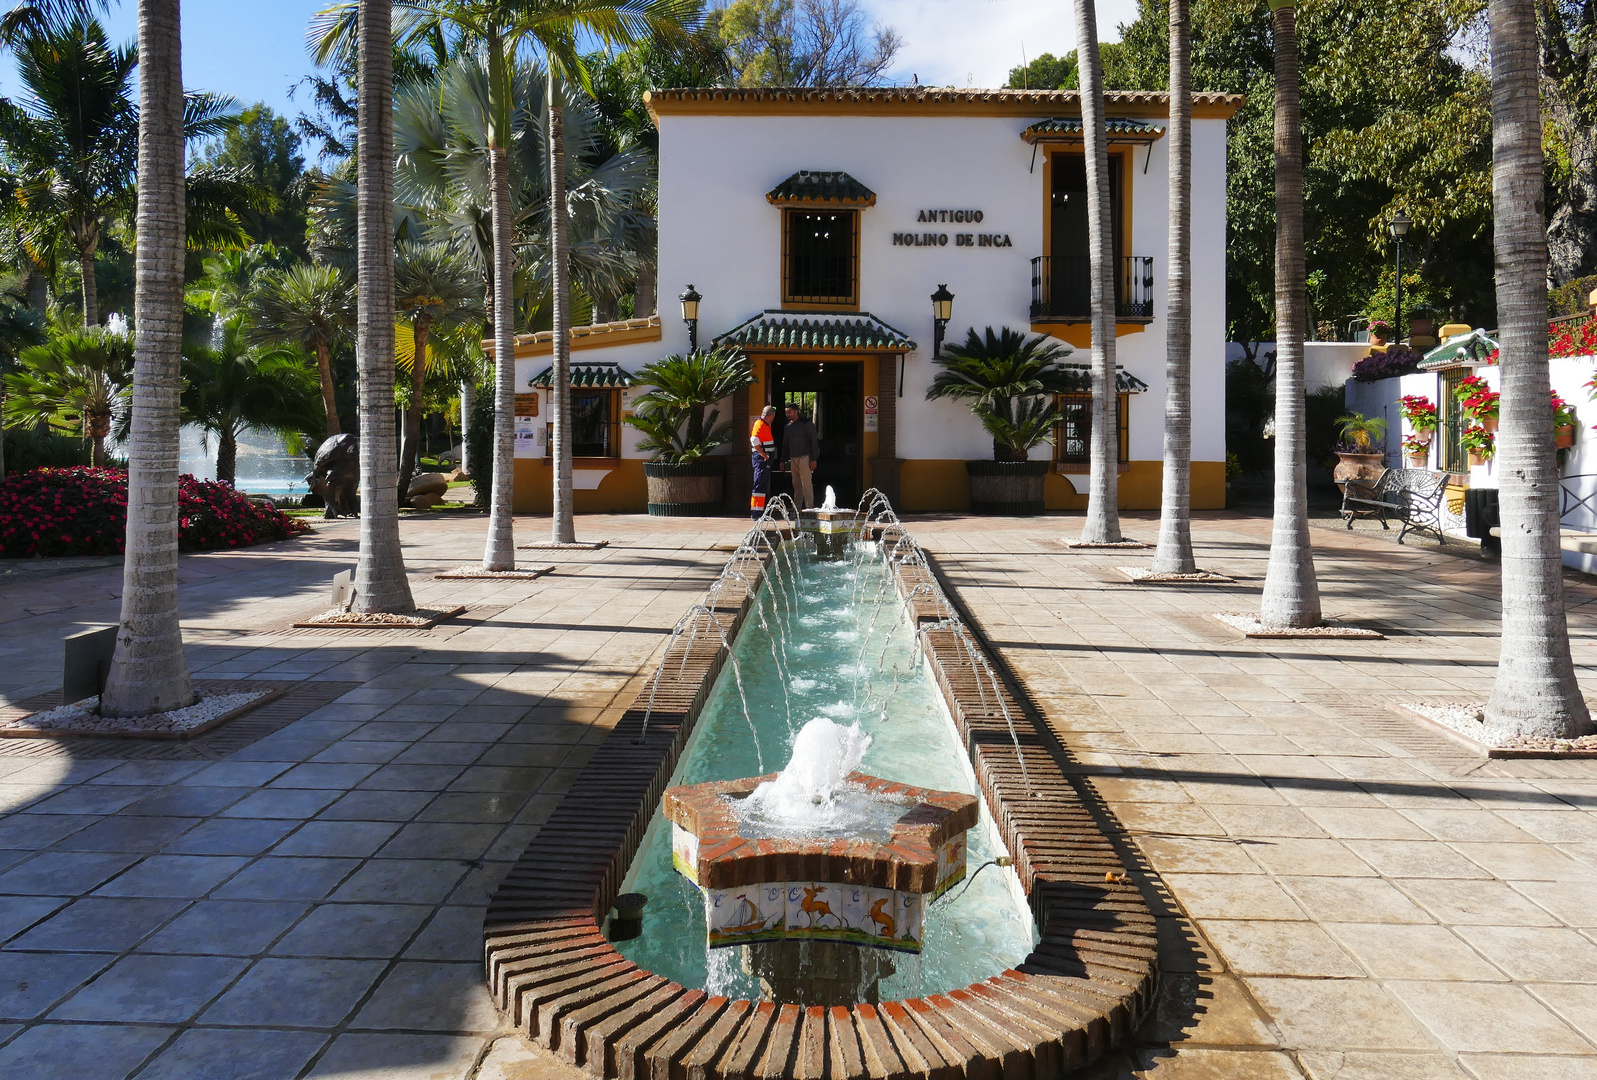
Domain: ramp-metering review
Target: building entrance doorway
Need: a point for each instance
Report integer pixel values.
(831, 393)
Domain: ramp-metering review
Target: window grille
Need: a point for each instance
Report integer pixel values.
(1073, 435)
(820, 257)
(595, 425)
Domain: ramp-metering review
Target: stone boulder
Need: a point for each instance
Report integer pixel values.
(427, 483)
(426, 500)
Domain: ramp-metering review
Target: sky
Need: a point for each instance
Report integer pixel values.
(255, 49)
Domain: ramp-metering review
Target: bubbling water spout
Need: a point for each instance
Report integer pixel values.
(810, 792)
(831, 499)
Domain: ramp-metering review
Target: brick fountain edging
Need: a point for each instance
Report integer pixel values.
(551, 970)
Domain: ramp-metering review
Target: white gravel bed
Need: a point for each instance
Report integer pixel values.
(1329, 628)
(1144, 576)
(421, 618)
(477, 573)
(550, 545)
(1469, 718)
(83, 718)
(1087, 546)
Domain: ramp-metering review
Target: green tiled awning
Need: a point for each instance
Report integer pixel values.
(587, 376)
(809, 187)
(1468, 350)
(1080, 377)
(795, 331)
(1068, 129)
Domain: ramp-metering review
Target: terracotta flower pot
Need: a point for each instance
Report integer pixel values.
(1366, 468)
(1490, 423)
(1419, 459)
(1564, 437)
(1476, 458)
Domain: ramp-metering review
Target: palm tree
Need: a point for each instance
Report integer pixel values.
(77, 382)
(434, 287)
(1102, 524)
(1010, 382)
(1536, 692)
(673, 416)
(233, 388)
(72, 147)
(499, 27)
(30, 17)
(310, 306)
(148, 670)
(1174, 554)
(1291, 593)
(380, 581)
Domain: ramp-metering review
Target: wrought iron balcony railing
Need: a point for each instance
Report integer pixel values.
(1061, 288)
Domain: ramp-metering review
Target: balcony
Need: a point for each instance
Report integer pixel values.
(1061, 289)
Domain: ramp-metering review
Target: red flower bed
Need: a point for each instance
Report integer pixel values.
(1572, 339)
(55, 512)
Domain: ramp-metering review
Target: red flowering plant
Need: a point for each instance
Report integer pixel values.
(49, 513)
(1477, 399)
(1572, 339)
(1413, 444)
(1419, 412)
(1477, 440)
(1563, 413)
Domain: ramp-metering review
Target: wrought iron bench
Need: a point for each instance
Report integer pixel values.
(1412, 496)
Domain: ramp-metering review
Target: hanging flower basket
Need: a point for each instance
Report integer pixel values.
(1564, 437)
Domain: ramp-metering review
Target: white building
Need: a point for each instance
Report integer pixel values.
(817, 223)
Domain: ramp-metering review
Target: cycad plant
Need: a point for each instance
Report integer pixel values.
(1009, 381)
(76, 382)
(309, 306)
(676, 417)
(233, 388)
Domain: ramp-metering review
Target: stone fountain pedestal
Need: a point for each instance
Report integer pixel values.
(831, 529)
(811, 911)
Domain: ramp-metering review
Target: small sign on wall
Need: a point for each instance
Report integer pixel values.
(529, 434)
(526, 404)
(871, 423)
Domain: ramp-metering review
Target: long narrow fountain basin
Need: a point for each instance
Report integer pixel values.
(1082, 984)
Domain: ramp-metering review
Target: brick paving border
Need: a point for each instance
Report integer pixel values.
(1083, 989)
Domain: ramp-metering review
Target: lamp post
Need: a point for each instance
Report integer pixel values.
(1399, 229)
(942, 311)
(690, 315)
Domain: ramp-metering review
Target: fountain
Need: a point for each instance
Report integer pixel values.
(830, 526)
(804, 868)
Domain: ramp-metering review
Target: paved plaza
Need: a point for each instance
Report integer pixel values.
(300, 893)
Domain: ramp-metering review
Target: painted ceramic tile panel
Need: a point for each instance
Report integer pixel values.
(950, 864)
(685, 852)
(742, 914)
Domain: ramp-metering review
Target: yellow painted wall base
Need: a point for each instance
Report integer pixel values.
(623, 490)
(927, 485)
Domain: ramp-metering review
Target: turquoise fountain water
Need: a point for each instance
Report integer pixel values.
(829, 639)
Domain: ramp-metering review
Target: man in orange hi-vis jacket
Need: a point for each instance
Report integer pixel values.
(762, 454)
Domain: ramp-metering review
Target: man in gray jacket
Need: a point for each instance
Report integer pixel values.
(802, 449)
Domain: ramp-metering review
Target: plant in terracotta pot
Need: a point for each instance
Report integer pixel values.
(680, 428)
(1418, 450)
(1380, 332)
(1478, 443)
(1421, 417)
(1477, 400)
(1360, 455)
(1010, 382)
(1563, 423)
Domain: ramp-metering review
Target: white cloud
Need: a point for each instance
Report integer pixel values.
(976, 42)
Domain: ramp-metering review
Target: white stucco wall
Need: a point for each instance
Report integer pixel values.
(718, 232)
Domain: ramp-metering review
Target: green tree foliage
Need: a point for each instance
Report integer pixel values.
(676, 417)
(1047, 72)
(1569, 99)
(264, 148)
(803, 43)
(77, 382)
(1395, 115)
(1009, 382)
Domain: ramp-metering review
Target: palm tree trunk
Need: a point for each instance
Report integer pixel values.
(149, 672)
(91, 292)
(1174, 554)
(563, 528)
(501, 550)
(643, 295)
(380, 582)
(324, 364)
(1536, 692)
(1291, 593)
(1102, 525)
(468, 402)
(227, 456)
(418, 375)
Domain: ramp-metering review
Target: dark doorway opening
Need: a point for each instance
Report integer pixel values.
(1069, 263)
(831, 393)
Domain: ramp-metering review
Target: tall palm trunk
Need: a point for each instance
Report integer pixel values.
(227, 455)
(1291, 593)
(91, 291)
(149, 672)
(501, 551)
(643, 297)
(418, 375)
(1174, 555)
(1536, 692)
(1102, 525)
(380, 582)
(468, 402)
(97, 426)
(324, 365)
(563, 528)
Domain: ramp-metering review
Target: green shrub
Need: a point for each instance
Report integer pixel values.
(480, 445)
